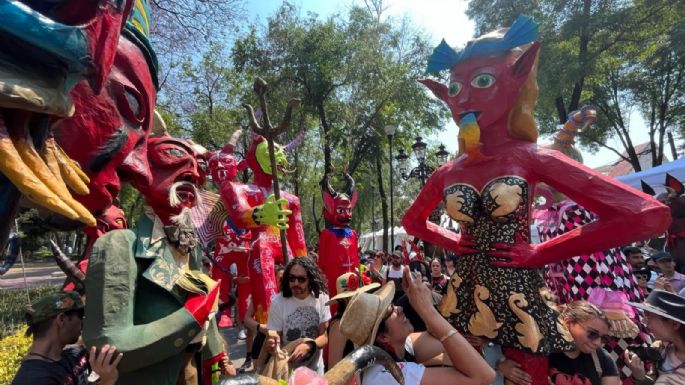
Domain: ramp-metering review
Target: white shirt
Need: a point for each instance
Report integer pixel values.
(299, 318)
(412, 372)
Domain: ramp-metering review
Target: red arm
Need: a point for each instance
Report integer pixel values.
(295, 230)
(625, 214)
(415, 220)
(235, 198)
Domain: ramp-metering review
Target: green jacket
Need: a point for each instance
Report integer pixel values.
(132, 302)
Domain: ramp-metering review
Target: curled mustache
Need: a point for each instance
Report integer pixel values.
(175, 200)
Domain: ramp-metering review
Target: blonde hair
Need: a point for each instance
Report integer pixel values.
(583, 311)
(521, 123)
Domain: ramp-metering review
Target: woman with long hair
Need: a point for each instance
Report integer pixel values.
(665, 313)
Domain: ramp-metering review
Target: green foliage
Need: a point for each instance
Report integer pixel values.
(13, 349)
(13, 304)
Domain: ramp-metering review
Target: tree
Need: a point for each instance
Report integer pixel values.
(182, 28)
(355, 75)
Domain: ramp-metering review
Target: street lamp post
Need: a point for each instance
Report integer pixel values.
(423, 170)
(390, 131)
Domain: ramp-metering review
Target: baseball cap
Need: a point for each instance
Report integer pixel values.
(661, 256)
(52, 305)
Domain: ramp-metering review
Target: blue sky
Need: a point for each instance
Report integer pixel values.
(439, 19)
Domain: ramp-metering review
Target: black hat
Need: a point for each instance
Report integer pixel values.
(664, 303)
(661, 255)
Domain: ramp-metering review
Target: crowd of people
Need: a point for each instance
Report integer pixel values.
(392, 302)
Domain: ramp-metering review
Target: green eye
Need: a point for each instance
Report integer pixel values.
(454, 89)
(483, 81)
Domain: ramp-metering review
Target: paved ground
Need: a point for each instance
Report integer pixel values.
(236, 346)
(37, 274)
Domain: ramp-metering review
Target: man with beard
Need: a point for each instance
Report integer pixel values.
(145, 291)
(300, 311)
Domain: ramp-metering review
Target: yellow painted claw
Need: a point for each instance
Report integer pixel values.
(66, 169)
(31, 158)
(12, 166)
(22, 165)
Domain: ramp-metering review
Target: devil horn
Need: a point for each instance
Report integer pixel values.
(67, 266)
(360, 359)
(349, 189)
(326, 184)
(674, 184)
(295, 143)
(647, 189)
(232, 141)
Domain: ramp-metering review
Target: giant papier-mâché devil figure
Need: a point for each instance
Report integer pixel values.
(147, 294)
(252, 206)
(45, 49)
(497, 291)
(234, 245)
(338, 250)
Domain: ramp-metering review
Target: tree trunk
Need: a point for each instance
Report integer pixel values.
(328, 168)
(384, 203)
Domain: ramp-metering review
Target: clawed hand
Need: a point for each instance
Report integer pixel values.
(273, 212)
(521, 254)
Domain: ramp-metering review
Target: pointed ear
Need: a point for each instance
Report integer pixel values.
(525, 63)
(328, 202)
(647, 189)
(439, 89)
(675, 184)
(353, 199)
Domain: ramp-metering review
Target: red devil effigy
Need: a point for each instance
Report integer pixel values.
(234, 245)
(254, 206)
(497, 291)
(338, 250)
(146, 292)
(45, 51)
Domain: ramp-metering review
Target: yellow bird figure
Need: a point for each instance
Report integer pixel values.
(469, 138)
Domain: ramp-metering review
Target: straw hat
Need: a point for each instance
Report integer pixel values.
(347, 285)
(364, 314)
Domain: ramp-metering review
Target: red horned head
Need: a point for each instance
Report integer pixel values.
(338, 206)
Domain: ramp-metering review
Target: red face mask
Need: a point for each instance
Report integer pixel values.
(172, 160)
(107, 134)
(483, 86)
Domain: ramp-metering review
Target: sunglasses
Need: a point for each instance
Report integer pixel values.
(593, 335)
(298, 278)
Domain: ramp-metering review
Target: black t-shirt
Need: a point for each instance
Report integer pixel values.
(72, 369)
(580, 370)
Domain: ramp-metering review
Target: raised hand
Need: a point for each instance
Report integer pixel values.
(105, 363)
(273, 212)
